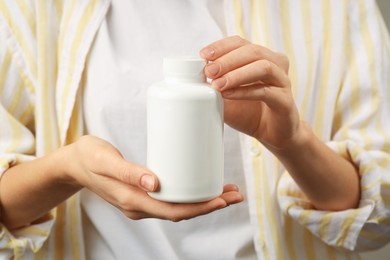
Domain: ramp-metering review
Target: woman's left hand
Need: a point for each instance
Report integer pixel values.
(256, 89)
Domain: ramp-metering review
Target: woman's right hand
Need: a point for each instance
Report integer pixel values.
(100, 167)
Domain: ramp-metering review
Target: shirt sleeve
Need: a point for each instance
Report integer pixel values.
(17, 143)
(362, 135)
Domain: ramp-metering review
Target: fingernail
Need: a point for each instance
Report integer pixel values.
(147, 182)
(207, 53)
(234, 187)
(212, 69)
(219, 83)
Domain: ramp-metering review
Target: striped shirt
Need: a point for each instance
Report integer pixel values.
(339, 68)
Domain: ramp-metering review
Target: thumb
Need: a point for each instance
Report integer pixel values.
(136, 175)
(129, 173)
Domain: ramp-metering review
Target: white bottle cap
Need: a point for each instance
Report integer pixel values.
(186, 68)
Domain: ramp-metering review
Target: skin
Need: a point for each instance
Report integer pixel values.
(258, 102)
(30, 190)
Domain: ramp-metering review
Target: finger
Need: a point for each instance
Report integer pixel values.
(231, 54)
(231, 194)
(230, 187)
(116, 167)
(279, 99)
(137, 176)
(232, 197)
(221, 47)
(259, 71)
(236, 58)
(181, 211)
(178, 212)
(148, 207)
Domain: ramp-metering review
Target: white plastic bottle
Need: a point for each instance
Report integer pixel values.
(185, 133)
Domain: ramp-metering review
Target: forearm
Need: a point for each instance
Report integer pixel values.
(30, 190)
(330, 181)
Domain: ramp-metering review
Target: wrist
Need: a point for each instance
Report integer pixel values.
(62, 160)
(302, 139)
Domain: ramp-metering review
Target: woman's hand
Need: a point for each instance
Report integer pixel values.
(256, 88)
(98, 166)
(258, 101)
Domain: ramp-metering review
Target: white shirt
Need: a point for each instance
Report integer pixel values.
(125, 59)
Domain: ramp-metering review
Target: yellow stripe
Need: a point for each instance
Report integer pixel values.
(59, 8)
(331, 253)
(27, 114)
(74, 225)
(15, 99)
(289, 234)
(5, 66)
(36, 231)
(270, 208)
(4, 164)
(17, 135)
(64, 28)
(75, 125)
(44, 74)
(346, 226)
(26, 79)
(310, 56)
(239, 18)
(367, 168)
(259, 202)
(370, 185)
(320, 102)
(28, 14)
(307, 236)
(254, 21)
(323, 233)
(88, 12)
(263, 13)
(60, 232)
(43, 253)
(288, 44)
(20, 37)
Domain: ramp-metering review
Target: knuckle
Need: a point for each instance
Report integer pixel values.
(125, 204)
(283, 61)
(99, 155)
(239, 39)
(256, 51)
(267, 67)
(124, 175)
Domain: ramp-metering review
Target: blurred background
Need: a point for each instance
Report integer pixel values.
(384, 253)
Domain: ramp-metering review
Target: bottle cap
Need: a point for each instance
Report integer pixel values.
(189, 68)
